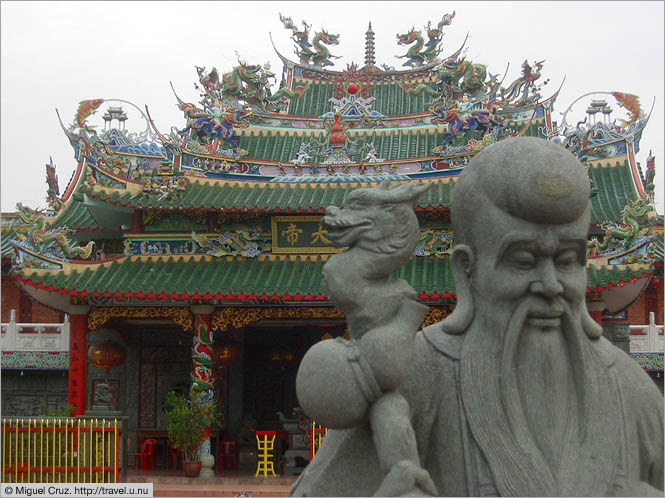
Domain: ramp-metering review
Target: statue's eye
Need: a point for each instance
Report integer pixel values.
(566, 259)
(521, 259)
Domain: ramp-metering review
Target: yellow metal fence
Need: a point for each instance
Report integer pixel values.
(316, 436)
(60, 450)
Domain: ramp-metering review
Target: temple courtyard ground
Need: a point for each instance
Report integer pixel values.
(238, 483)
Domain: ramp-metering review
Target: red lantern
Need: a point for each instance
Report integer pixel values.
(225, 353)
(106, 356)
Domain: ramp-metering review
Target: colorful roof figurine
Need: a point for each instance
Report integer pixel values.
(253, 150)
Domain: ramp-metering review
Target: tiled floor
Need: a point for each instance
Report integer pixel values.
(223, 484)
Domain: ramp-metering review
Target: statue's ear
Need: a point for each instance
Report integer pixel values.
(462, 261)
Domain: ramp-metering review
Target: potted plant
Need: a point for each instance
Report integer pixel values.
(189, 426)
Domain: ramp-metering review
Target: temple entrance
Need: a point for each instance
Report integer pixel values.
(272, 355)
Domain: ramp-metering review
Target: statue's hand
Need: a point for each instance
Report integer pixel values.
(407, 479)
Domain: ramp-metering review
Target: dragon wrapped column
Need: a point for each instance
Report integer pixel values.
(203, 371)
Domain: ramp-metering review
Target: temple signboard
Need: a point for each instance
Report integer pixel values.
(300, 234)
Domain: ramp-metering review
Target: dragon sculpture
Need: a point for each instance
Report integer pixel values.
(341, 382)
(42, 238)
(320, 56)
(434, 242)
(422, 53)
(246, 84)
(462, 76)
(241, 241)
(637, 217)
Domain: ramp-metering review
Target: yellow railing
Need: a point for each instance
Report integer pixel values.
(60, 450)
(316, 436)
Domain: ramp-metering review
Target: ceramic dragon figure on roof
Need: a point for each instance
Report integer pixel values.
(44, 239)
(423, 53)
(320, 56)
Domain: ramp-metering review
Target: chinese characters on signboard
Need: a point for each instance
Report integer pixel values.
(300, 234)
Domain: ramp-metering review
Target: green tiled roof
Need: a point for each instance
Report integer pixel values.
(76, 215)
(270, 277)
(395, 144)
(390, 143)
(279, 197)
(281, 277)
(615, 190)
(390, 100)
(614, 185)
(659, 247)
(612, 276)
(6, 248)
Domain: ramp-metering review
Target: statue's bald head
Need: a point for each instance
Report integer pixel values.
(529, 178)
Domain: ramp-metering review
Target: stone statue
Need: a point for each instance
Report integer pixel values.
(341, 383)
(103, 395)
(517, 392)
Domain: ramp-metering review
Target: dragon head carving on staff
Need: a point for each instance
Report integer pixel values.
(379, 222)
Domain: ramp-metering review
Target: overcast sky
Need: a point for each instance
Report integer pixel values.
(55, 54)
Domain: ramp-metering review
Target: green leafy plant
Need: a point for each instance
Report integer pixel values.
(190, 420)
(46, 411)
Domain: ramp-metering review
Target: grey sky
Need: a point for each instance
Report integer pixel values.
(55, 54)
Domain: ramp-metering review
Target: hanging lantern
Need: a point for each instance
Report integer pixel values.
(225, 353)
(106, 356)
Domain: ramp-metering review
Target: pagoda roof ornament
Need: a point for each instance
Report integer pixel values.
(369, 46)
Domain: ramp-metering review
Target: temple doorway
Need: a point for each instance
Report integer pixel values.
(272, 355)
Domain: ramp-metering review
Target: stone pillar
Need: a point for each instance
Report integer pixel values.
(78, 327)
(596, 311)
(203, 373)
(618, 333)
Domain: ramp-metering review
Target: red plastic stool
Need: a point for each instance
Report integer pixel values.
(226, 448)
(173, 457)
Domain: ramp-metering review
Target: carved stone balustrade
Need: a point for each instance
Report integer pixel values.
(647, 338)
(34, 336)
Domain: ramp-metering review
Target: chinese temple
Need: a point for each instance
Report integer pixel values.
(190, 255)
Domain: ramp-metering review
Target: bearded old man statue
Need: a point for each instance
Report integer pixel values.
(516, 393)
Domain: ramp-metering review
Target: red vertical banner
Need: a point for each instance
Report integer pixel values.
(597, 316)
(77, 351)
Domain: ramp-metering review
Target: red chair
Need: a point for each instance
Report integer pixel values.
(173, 456)
(226, 448)
(147, 455)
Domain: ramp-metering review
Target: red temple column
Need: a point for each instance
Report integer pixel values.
(78, 327)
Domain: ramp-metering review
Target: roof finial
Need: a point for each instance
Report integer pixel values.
(369, 46)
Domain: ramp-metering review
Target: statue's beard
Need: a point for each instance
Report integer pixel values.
(526, 393)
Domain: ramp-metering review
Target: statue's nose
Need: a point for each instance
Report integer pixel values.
(548, 284)
(332, 210)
